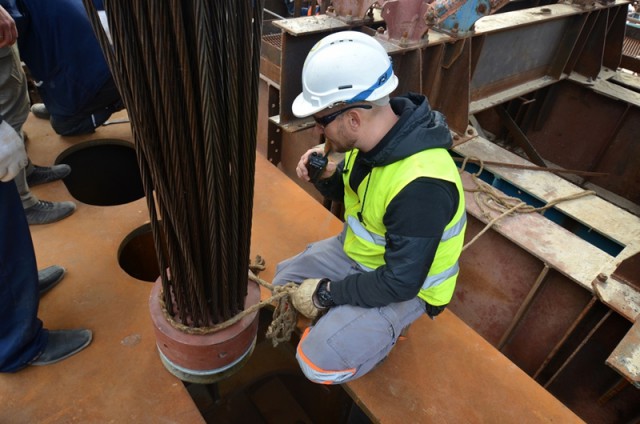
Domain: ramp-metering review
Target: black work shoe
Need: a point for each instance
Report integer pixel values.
(47, 174)
(45, 212)
(40, 111)
(49, 277)
(62, 344)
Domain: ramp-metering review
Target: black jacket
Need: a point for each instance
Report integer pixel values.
(415, 218)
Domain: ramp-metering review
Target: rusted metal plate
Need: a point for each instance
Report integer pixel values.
(356, 9)
(573, 120)
(464, 379)
(489, 101)
(605, 129)
(615, 91)
(626, 357)
(109, 381)
(626, 79)
(629, 271)
(406, 20)
(618, 296)
(517, 55)
(620, 160)
(557, 305)
(311, 24)
(483, 304)
(583, 383)
(533, 15)
(294, 53)
(588, 56)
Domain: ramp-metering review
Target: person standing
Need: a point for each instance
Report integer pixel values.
(14, 106)
(58, 45)
(23, 340)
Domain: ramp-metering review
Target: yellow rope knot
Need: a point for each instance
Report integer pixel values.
(285, 316)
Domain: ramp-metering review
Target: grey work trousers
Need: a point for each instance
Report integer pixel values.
(348, 341)
(14, 107)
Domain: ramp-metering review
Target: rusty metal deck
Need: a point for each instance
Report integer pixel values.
(440, 373)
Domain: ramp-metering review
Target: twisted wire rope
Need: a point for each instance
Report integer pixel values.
(188, 74)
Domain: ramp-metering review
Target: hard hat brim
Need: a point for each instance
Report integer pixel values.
(301, 108)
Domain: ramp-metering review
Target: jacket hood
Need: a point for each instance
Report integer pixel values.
(419, 128)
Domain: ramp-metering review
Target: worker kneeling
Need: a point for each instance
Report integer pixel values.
(397, 256)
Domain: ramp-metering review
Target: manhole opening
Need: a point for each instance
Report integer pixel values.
(103, 172)
(137, 255)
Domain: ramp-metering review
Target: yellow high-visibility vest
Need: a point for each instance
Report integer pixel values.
(365, 241)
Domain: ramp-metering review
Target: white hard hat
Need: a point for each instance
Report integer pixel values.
(344, 67)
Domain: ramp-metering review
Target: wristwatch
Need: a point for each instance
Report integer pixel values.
(323, 295)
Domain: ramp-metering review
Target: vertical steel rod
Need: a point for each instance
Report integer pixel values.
(580, 346)
(566, 335)
(524, 307)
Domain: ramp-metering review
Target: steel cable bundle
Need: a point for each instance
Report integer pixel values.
(188, 73)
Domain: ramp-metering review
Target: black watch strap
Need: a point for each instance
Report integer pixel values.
(323, 295)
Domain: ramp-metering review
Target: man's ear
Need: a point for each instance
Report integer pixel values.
(354, 119)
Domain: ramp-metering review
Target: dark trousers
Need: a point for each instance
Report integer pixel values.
(22, 336)
(106, 102)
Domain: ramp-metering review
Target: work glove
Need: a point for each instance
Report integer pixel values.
(13, 157)
(302, 298)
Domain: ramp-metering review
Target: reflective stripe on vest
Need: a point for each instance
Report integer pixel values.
(359, 230)
(456, 229)
(431, 280)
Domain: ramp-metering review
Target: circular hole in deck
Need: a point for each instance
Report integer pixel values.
(137, 255)
(103, 172)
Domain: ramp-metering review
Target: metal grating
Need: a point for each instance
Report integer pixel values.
(273, 39)
(631, 47)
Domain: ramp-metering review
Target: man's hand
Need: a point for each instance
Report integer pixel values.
(302, 298)
(303, 172)
(13, 157)
(8, 30)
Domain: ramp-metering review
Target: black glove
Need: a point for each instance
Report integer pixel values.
(433, 311)
(322, 296)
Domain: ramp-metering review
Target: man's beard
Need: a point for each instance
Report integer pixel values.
(341, 147)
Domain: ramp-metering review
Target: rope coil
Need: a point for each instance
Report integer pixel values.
(488, 198)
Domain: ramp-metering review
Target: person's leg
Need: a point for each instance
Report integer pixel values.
(74, 125)
(106, 102)
(21, 334)
(40, 211)
(349, 341)
(14, 96)
(37, 174)
(14, 107)
(26, 196)
(322, 259)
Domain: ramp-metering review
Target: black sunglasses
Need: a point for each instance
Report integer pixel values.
(327, 119)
